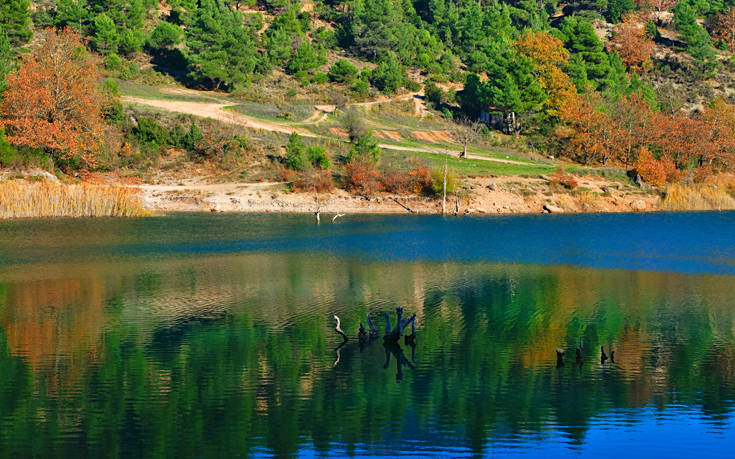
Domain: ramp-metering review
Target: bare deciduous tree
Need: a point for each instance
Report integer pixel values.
(465, 131)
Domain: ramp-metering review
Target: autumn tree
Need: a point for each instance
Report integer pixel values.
(586, 131)
(722, 27)
(550, 57)
(632, 43)
(54, 101)
(630, 120)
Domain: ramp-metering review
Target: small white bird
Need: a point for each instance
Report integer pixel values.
(338, 329)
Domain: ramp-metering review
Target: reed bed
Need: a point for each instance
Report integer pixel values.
(23, 199)
(705, 196)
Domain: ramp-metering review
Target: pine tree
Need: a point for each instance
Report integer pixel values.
(220, 50)
(7, 59)
(16, 20)
(105, 34)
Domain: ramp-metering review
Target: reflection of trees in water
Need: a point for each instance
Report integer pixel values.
(229, 354)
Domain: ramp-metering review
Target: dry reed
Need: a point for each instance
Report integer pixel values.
(696, 197)
(22, 199)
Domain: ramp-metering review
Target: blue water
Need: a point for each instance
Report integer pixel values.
(213, 336)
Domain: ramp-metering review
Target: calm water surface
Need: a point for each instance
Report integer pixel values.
(212, 336)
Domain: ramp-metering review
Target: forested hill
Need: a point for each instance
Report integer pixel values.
(644, 85)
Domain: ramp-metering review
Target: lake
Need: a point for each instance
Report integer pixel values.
(213, 336)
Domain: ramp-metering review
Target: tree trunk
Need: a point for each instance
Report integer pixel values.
(444, 199)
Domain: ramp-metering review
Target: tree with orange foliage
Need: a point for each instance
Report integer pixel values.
(631, 121)
(722, 27)
(632, 43)
(550, 56)
(587, 130)
(54, 100)
(717, 146)
(650, 169)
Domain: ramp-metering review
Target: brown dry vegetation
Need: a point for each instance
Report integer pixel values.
(705, 196)
(23, 199)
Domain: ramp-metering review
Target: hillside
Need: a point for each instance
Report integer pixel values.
(377, 99)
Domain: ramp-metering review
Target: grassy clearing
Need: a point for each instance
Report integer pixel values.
(696, 197)
(23, 199)
(471, 167)
(290, 113)
(133, 89)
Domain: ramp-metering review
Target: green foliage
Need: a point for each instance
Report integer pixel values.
(389, 76)
(343, 71)
(364, 149)
(8, 154)
(191, 138)
(361, 88)
(221, 50)
(589, 65)
(71, 13)
(165, 35)
(699, 43)
(318, 157)
(15, 19)
(433, 94)
(105, 36)
(7, 59)
(149, 131)
(296, 158)
(131, 41)
(617, 8)
(306, 58)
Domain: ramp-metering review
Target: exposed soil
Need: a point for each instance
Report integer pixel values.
(485, 195)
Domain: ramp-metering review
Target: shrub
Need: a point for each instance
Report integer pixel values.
(318, 157)
(296, 153)
(437, 181)
(342, 71)
(365, 149)
(561, 178)
(148, 130)
(417, 181)
(8, 154)
(434, 94)
(360, 88)
(313, 180)
(362, 178)
(320, 78)
(650, 169)
(165, 35)
(112, 62)
(192, 137)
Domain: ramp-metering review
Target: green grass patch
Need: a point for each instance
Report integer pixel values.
(471, 167)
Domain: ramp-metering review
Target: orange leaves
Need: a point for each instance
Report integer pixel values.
(651, 170)
(54, 101)
(543, 48)
(549, 55)
(657, 145)
(631, 43)
(722, 27)
(587, 134)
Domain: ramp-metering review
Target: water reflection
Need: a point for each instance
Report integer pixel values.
(220, 355)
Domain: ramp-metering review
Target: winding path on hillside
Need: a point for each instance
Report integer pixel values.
(219, 111)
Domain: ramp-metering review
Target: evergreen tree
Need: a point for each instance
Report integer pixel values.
(592, 63)
(15, 19)
(71, 13)
(105, 37)
(7, 59)
(221, 50)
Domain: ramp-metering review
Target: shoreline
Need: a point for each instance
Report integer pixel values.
(510, 195)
